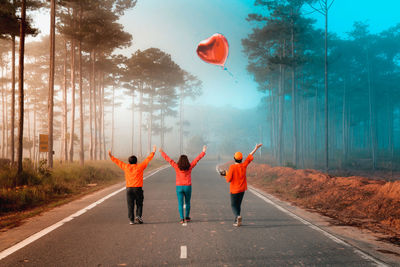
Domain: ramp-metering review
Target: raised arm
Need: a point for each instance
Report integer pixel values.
(120, 163)
(149, 158)
(168, 159)
(199, 157)
(255, 149)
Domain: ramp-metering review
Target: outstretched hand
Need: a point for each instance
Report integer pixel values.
(161, 150)
(154, 148)
(255, 149)
(204, 149)
(109, 153)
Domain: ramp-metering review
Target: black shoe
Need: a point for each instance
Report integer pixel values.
(187, 219)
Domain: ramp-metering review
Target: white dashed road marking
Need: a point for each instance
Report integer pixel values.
(183, 252)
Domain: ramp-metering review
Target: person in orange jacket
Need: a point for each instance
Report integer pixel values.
(134, 184)
(236, 176)
(183, 171)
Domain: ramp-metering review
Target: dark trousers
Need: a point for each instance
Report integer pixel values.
(236, 203)
(134, 194)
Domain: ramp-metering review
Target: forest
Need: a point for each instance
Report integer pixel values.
(70, 79)
(331, 102)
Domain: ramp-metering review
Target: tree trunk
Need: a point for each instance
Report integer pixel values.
(12, 127)
(34, 133)
(21, 85)
(28, 118)
(140, 153)
(91, 89)
(294, 102)
(272, 127)
(344, 125)
(65, 107)
(72, 131)
(326, 91)
(102, 118)
(95, 111)
(3, 119)
(372, 130)
(112, 118)
(7, 149)
(281, 107)
(150, 130)
(51, 82)
(315, 127)
(162, 126)
(133, 121)
(81, 115)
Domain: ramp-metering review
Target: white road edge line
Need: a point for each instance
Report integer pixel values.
(183, 252)
(49, 229)
(322, 231)
(315, 227)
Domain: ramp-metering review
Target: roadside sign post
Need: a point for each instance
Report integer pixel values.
(43, 143)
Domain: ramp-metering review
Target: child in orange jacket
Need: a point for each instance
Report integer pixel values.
(134, 184)
(236, 176)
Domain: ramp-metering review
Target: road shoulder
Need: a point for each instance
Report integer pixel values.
(33, 225)
(362, 239)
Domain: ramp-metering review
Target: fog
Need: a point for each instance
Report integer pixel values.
(316, 97)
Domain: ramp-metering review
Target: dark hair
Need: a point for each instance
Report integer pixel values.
(132, 160)
(183, 163)
(238, 160)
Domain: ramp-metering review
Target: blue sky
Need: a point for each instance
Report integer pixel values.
(177, 26)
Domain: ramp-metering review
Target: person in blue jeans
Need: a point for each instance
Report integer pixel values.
(183, 171)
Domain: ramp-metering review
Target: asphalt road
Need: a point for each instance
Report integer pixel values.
(268, 237)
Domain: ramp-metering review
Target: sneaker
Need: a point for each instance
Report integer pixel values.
(140, 220)
(187, 219)
(130, 222)
(182, 221)
(238, 221)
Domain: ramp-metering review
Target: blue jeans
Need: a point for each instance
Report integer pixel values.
(184, 193)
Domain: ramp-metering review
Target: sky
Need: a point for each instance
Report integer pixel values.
(177, 26)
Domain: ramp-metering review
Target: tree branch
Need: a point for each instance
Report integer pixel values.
(331, 4)
(316, 9)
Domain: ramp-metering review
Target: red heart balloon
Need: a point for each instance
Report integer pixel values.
(214, 50)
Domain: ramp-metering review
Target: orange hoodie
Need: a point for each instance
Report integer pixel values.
(237, 176)
(133, 172)
(183, 177)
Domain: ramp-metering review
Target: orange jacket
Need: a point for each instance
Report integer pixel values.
(237, 176)
(133, 172)
(183, 177)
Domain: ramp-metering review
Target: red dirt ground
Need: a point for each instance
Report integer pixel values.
(358, 201)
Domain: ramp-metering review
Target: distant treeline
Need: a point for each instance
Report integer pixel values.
(359, 116)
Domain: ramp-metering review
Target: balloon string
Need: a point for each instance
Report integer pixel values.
(230, 73)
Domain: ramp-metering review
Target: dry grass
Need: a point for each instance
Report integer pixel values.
(38, 190)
